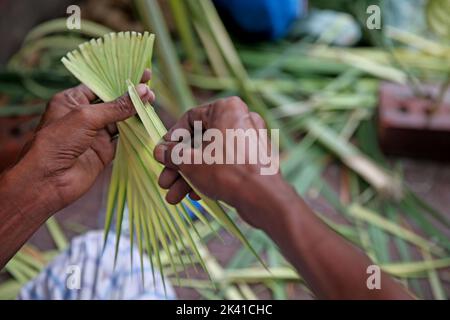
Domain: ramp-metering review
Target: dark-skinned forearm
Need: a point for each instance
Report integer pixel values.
(24, 207)
(333, 268)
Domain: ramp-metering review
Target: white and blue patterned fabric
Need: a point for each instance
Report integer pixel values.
(98, 279)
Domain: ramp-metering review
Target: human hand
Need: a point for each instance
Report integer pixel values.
(74, 142)
(266, 202)
(240, 185)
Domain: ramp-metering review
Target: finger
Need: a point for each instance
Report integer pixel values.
(146, 76)
(257, 120)
(194, 196)
(178, 191)
(98, 116)
(164, 153)
(167, 178)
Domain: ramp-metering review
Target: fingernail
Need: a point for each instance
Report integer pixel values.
(152, 96)
(142, 89)
(160, 152)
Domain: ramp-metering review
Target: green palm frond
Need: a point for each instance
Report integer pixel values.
(110, 66)
(436, 12)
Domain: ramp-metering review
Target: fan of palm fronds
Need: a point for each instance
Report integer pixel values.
(110, 66)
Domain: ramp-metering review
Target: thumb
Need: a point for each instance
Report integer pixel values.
(102, 114)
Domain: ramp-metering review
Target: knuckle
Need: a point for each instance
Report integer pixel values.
(83, 114)
(168, 135)
(77, 96)
(236, 104)
(57, 100)
(220, 102)
(68, 94)
(72, 96)
(124, 105)
(235, 100)
(210, 109)
(59, 96)
(257, 117)
(219, 105)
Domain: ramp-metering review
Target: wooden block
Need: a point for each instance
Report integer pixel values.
(413, 126)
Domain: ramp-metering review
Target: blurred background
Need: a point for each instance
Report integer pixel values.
(359, 89)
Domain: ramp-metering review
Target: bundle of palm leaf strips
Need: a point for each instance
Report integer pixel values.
(110, 66)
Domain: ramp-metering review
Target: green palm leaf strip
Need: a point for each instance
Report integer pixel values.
(111, 66)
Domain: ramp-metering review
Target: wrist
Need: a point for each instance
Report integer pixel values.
(267, 201)
(26, 192)
(282, 213)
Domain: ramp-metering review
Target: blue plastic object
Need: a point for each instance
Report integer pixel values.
(269, 19)
(196, 204)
